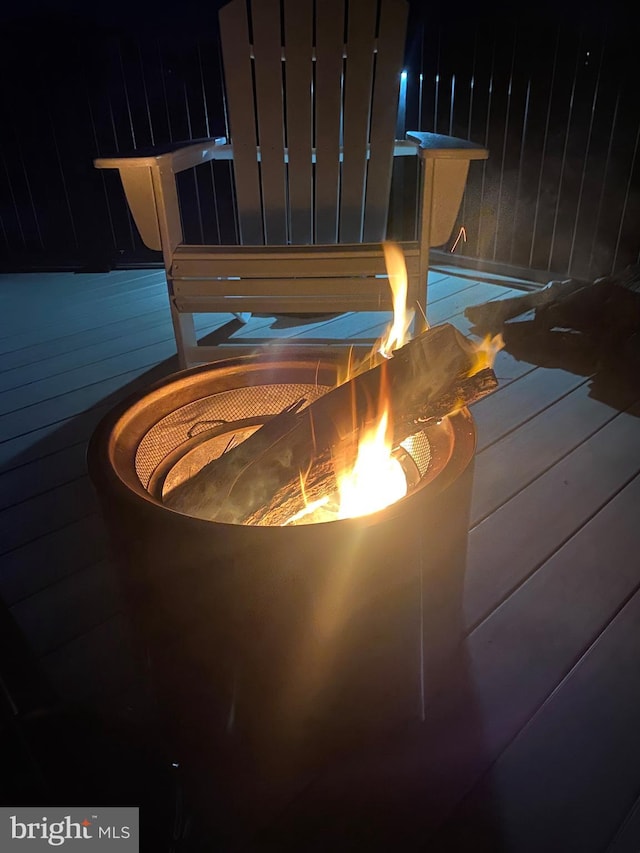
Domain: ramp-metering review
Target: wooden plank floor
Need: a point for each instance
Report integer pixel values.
(534, 744)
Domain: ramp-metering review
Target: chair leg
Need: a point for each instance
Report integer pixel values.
(185, 332)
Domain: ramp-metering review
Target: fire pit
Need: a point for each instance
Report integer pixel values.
(281, 636)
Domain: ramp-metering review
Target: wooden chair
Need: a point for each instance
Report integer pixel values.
(312, 107)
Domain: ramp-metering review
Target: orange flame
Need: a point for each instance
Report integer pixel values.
(309, 506)
(486, 352)
(397, 333)
(377, 479)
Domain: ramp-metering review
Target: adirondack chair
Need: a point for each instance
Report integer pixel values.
(312, 144)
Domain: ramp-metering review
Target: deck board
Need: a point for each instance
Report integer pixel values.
(46, 512)
(34, 444)
(84, 668)
(576, 581)
(68, 609)
(507, 547)
(510, 464)
(30, 568)
(551, 598)
(570, 776)
(33, 361)
(30, 479)
(58, 408)
(84, 318)
(513, 661)
(525, 398)
(627, 838)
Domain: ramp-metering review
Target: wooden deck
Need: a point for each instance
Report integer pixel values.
(537, 745)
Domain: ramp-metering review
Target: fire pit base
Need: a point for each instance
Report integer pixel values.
(275, 647)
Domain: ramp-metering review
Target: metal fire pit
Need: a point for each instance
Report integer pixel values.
(275, 637)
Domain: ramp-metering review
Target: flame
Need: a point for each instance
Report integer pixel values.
(483, 357)
(308, 509)
(309, 506)
(485, 354)
(398, 332)
(377, 479)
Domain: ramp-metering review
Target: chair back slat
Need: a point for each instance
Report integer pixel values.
(298, 39)
(328, 105)
(236, 52)
(358, 79)
(342, 102)
(267, 48)
(391, 39)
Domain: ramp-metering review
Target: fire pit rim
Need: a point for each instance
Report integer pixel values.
(104, 457)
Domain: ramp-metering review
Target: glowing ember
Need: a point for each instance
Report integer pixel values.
(462, 234)
(308, 510)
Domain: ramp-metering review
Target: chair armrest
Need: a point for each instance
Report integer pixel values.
(445, 161)
(438, 146)
(176, 156)
(148, 179)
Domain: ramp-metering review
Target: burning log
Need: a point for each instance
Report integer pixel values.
(592, 307)
(489, 316)
(427, 378)
(321, 480)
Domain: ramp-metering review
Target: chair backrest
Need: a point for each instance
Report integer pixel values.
(313, 86)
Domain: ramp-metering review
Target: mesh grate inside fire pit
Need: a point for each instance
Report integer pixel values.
(180, 444)
(187, 437)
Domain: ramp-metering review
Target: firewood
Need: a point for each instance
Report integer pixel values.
(551, 348)
(589, 328)
(629, 278)
(573, 304)
(197, 495)
(489, 316)
(321, 480)
(232, 487)
(596, 309)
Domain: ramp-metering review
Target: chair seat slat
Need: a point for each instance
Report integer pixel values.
(284, 267)
(318, 254)
(374, 296)
(318, 251)
(264, 288)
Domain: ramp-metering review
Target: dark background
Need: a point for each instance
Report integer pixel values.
(550, 88)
